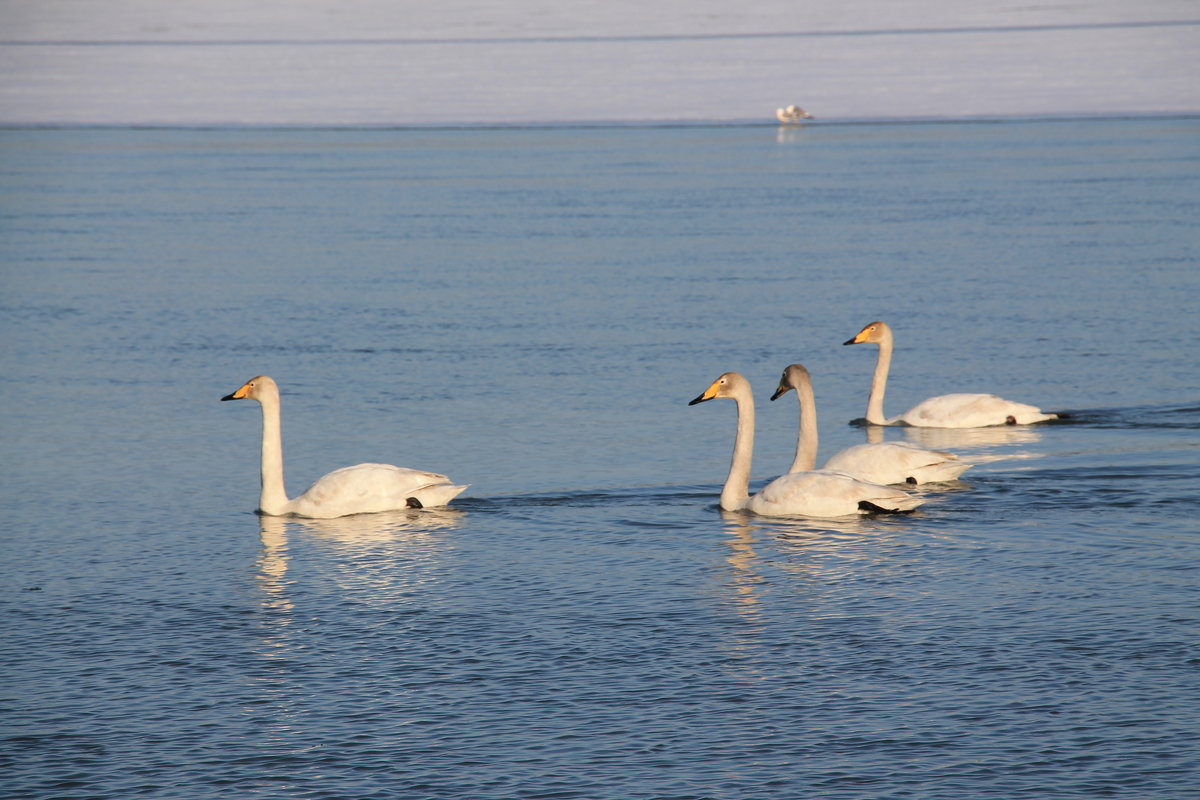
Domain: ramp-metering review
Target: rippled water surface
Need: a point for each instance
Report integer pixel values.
(529, 311)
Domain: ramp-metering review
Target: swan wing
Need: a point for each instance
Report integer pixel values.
(896, 462)
(368, 488)
(971, 411)
(819, 493)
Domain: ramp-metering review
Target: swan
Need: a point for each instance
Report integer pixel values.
(361, 489)
(943, 411)
(791, 114)
(809, 494)
(881, 462)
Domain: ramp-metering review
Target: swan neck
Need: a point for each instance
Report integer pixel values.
(273, 497)
(806, 440)
(879, 382)
(736, 492)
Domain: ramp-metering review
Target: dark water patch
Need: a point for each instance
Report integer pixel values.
(1184, 415)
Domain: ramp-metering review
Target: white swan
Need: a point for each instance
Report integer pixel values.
(791, 114)
(943, 411)
(807, 494)
(361, 489)
(881, 462)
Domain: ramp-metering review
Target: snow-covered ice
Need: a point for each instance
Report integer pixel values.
(431, 62)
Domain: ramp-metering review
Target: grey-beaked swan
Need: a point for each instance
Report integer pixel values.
(361, 489)
(881, 462)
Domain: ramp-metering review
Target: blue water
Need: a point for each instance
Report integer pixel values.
(529, 311)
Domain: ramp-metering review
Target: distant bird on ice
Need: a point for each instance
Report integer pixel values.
(791, 115)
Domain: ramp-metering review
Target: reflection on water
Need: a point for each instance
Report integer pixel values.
(848, 539)
(743, 560)
(372, 558)
(740, 523)
(805, 567)
(789, 134)
(273, 563)
(971, 438)
(277, 606)
(381, 527)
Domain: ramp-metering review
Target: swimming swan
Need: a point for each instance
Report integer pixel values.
(807, 494)
(361, 489)
(943, 411)
(882, 462)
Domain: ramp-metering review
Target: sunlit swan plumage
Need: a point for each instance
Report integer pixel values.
(943, 411)
(810, 494)
(882, 462)
(361, 489)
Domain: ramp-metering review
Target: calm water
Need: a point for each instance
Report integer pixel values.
(529, 311)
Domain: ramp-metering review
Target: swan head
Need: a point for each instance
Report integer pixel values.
(875, 332)
(255, 389)
(728, 385)
(794, 376)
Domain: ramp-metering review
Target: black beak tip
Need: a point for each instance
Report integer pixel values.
(228, 397)
(697, 400)
(848, 341)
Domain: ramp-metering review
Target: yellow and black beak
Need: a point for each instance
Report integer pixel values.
(240, 394)
(708, 394)
(784, 388)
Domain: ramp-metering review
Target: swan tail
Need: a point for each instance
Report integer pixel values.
(872, 508)
(434, 494)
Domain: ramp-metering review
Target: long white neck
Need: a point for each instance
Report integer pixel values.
(737, 485)
(273, 497)
(879, 382)
(806, 440)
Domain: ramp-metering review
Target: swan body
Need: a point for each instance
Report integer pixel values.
(882, 462)
(361, 489)
(811, 493)
(897, 462)
(791, 114)
(943, 411)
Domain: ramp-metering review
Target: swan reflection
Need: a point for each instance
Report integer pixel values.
(276, 604)
(790, 134)
(743, 560)
(377, 558)
(973, 439)
(382, 527)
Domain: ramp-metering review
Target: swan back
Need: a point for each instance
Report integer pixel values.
(896, 462)
(966, 410)
(818, 493)
(368, 488)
